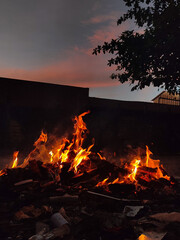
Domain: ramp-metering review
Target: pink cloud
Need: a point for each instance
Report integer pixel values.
(106, 33)
(101, 19)
(80, 68)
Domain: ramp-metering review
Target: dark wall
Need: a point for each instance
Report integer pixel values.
(115, 124)
(28, 107)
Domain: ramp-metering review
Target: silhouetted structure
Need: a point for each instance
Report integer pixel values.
(166, 98)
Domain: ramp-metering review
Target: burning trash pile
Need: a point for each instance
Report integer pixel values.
(63, 190)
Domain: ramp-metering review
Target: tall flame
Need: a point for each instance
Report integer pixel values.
(79, 128)
(15, 159)
(154, 164)
(42, 139)
(62, 153)
(135, 165)
(51, 154)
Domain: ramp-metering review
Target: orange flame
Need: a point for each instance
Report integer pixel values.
(73, 153)
(51, 154)
(2, 172)
(135, 165)
(66, 148)
(154, 164)
(102, 183)
(79, 135)
(42, 139)
(102, 158)
(15, 159)
(79, 128)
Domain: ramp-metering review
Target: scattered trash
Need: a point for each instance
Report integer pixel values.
(58, 220)
(62, 211)
(41, 227)
(132, 211)
(55, 233)
(151, 236)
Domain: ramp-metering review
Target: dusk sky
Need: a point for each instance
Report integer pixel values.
(52, 41)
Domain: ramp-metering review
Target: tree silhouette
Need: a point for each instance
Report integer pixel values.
(150, 57)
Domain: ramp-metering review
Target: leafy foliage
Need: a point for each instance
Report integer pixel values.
(150, 57)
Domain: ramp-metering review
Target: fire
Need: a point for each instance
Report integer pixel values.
(102, 158)
(63, 156)
(75, 146)
(155, 164)
(150, 162)
(66, 148)
(139, 168)
(129, 178)
(102, 183)
(15, 159)
(42, 139)
(81, 155)
(78, 159)
(51, 154)
(148, 153)
(135, 165)
(2, 172)
(79, 128)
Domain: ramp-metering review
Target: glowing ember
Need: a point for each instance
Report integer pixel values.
(2, 172)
